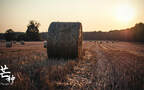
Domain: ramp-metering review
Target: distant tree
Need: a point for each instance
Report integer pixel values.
(32, 32)
(139, 32)
(9, 35)
(21, 37)
(2, 37)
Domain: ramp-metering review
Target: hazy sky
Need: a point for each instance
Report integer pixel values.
(94, 15)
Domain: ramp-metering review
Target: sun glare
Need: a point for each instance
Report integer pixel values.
(125, 13)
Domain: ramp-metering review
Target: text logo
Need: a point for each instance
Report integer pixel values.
(6, 77)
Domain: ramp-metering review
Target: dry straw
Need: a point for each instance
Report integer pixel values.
(65, 40)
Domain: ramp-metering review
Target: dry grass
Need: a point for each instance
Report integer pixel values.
(105, 66)
(32, 69)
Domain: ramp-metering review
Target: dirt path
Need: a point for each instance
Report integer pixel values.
(107, 69)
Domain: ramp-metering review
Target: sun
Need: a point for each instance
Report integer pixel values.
(125, 13)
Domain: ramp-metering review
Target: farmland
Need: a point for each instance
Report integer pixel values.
(106, 65)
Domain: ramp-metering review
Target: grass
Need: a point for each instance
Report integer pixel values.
(32, 69)
(105, 65)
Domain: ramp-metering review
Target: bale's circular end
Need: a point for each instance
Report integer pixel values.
(65, 40)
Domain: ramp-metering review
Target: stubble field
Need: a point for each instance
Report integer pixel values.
(106, 65)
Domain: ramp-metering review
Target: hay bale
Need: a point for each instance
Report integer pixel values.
(45, 44)
(65, 40)
(8, 44)
(14, 42)
(100, 42)
(22, 42)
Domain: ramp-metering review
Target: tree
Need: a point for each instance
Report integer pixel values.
(32, 33)
(138, 31)
(9, 35)
(21, 37)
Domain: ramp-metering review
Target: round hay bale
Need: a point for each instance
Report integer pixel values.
(8, 44)
(45, 44)
(14, 42)
(65, 40)
(22, 42)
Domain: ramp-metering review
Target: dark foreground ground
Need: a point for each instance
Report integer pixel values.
(106, 66)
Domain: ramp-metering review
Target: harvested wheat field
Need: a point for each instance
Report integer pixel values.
(105, 66)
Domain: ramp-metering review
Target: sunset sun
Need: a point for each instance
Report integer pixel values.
(125, 13)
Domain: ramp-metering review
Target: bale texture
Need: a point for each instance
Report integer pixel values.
(65, 40)
(8, 44)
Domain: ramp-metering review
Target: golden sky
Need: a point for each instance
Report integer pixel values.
(95, 15)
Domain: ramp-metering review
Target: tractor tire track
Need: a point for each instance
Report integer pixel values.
(106, 69)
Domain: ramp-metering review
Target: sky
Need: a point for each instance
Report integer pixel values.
(95, 15)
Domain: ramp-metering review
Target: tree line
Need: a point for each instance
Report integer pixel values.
(135, 33)
(31, 34)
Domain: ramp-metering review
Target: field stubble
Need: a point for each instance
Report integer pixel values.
(105, 66)
(31, 67)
